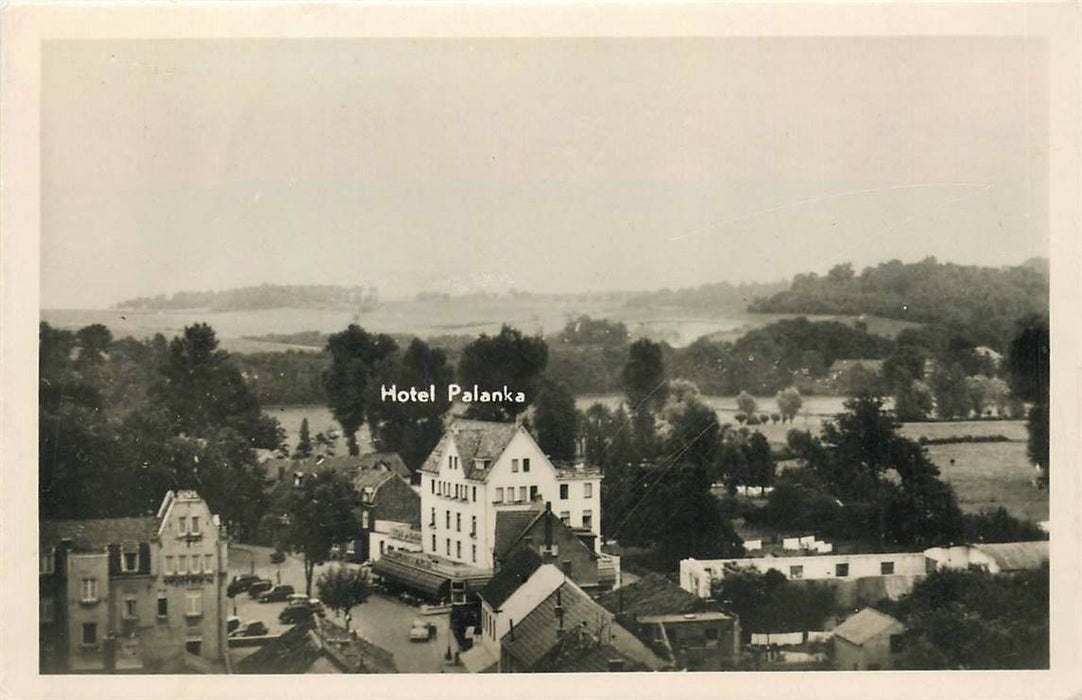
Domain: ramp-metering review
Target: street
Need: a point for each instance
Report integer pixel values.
(383, 620)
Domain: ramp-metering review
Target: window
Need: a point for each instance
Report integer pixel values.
(499, 495)
(565, 517)
(47, 610)
(841, 569)
(448, 518)
(473, 494)
(514, 465)
(563, 492)
(473, 524)
(48, 563)
(433, 544)
(169, 564)
(193, 604)
(448, 546)
(90, 633)
(129, 608)
(458, 549)
(522, 493)
(473, 554)
(796, 572)
(195, 525)
(588, 490)
(533, 492)
(458, 522)
(163, 605)
(886, 568)
(130, 561)
(432, 521)
(208, 563)
(433, 482)
(195, 564)
(90, 590)
(587, 518)
(364, 519)
(526, 465)
(182, 525)
(193, 646)
(450, 462)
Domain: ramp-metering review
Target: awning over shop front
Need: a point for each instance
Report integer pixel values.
(403, 574)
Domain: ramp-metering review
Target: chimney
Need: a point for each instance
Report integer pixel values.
(580, 449)
(548, 523)
(511, 622)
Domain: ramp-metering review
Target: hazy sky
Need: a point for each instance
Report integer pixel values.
(547, 165)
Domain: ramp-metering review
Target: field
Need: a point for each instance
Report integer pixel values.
(992, 474)
(457, 316)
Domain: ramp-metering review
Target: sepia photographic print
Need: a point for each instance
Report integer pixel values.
(602, 341)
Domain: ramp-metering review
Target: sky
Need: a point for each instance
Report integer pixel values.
(547, 165)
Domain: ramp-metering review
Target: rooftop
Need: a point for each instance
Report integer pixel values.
(474, 440)
(652, 594)
(515, 572)
(865, 625)
(97, 534)
(510, 526)
(537, 634)
(1016, 556)
(387, 460)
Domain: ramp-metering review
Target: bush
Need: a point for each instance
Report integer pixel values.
(1000, 526)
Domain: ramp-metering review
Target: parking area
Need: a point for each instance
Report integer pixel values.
(383, 620)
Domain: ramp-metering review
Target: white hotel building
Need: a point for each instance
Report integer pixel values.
(479, 468)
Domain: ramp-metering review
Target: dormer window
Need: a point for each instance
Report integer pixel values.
(130, 561)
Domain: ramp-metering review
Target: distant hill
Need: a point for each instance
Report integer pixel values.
(708, 296)
(265, 296)
(984, 302)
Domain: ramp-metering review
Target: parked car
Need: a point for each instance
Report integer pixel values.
(292, 614)
(276, 594)
(296, 599)
(240, 583)
(422, 631)
(250, 629)
(277, 557)
(317, 606)
(259, 587)
(232, 624)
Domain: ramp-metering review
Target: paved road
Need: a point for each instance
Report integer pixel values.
(383, 620)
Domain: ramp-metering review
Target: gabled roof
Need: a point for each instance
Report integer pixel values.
(865, 625)
(652, 594)
(372, 478)
(388, 460)
(293, 652)
(474, 440)
(515, 572)
(97, 534)
(511, 525)
(581, 654)
(538, 633)
(1016, 556)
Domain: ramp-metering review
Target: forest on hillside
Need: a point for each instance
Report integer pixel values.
(983, 302)
(264, 296)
